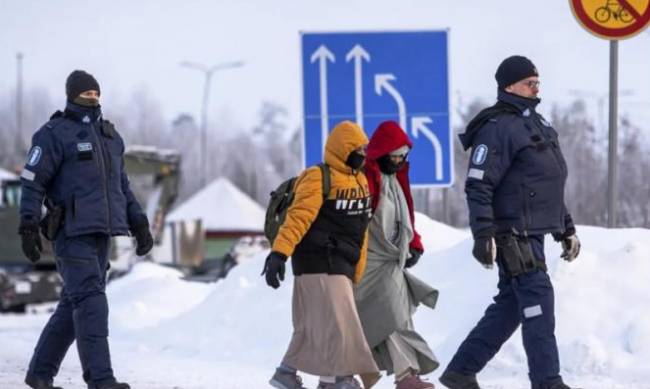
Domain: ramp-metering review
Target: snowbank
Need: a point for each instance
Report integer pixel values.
(437, 236)
(150, 294)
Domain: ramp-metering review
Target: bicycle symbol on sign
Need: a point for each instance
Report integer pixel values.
(603, 14)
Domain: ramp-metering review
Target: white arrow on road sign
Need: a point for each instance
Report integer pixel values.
(322, 54)
(382, 82)
(419, 125)
(361, 80)
(358, 53)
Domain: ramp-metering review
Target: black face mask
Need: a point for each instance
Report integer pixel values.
(85, 102)
(355, 160)
(387, 166)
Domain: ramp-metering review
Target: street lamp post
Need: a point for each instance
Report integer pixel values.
(207, 72)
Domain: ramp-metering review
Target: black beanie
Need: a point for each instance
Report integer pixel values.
(513, 69)
(79, 82)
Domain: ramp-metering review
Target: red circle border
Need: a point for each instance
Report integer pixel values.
(605, 32)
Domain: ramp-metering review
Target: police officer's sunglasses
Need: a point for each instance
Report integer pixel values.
(532, 84)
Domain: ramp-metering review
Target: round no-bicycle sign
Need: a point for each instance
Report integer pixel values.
(612, 19)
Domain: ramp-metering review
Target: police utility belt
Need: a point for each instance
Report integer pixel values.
(52, 220)
(517, 254)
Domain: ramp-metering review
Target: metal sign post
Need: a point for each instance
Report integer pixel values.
(612, 177)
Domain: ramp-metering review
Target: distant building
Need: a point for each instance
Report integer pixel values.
(227, 214)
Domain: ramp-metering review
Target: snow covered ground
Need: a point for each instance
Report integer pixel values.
(169, 333)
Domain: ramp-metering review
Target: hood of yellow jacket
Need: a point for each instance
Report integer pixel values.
(346, 137)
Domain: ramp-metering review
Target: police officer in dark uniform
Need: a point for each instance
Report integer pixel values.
(75, 168)
(515, 193)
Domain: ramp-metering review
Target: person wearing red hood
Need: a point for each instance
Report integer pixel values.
(388, 294)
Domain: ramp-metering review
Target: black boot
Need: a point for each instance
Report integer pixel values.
(554, 385)
(37, 383)
(454, 380)
(560, 385)
(114, 385)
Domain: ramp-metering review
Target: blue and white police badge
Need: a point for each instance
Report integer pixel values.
(480, 154)
(34, 156)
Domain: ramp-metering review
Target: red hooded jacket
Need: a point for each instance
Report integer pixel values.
(389, 136)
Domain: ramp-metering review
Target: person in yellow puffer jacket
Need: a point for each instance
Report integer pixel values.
(326, 237)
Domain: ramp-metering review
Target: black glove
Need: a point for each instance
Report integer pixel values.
(570, 248)
(485, 248)
(31, 239)
(274, 269)
(414, 258)
(569, 240)
(143, 238)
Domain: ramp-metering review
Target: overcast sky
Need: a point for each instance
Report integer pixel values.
(129, 44)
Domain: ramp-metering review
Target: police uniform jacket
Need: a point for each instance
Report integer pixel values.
(76, 161)
(516, 173)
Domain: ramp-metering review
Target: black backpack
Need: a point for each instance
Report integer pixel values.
(281, 199)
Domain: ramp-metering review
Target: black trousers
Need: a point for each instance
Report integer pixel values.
(82, 312)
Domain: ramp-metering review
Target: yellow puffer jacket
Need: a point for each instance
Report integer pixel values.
(329, 236)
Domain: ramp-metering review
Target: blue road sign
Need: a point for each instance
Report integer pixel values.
(376, 76)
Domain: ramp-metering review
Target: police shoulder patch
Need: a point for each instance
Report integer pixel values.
(480, 154)
(34, 156)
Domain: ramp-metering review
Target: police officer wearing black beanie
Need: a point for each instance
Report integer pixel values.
(75, 165)
(78, 82)
(514, 69)
(515, 194)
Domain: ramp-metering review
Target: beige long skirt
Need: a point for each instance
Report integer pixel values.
(327, 336)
